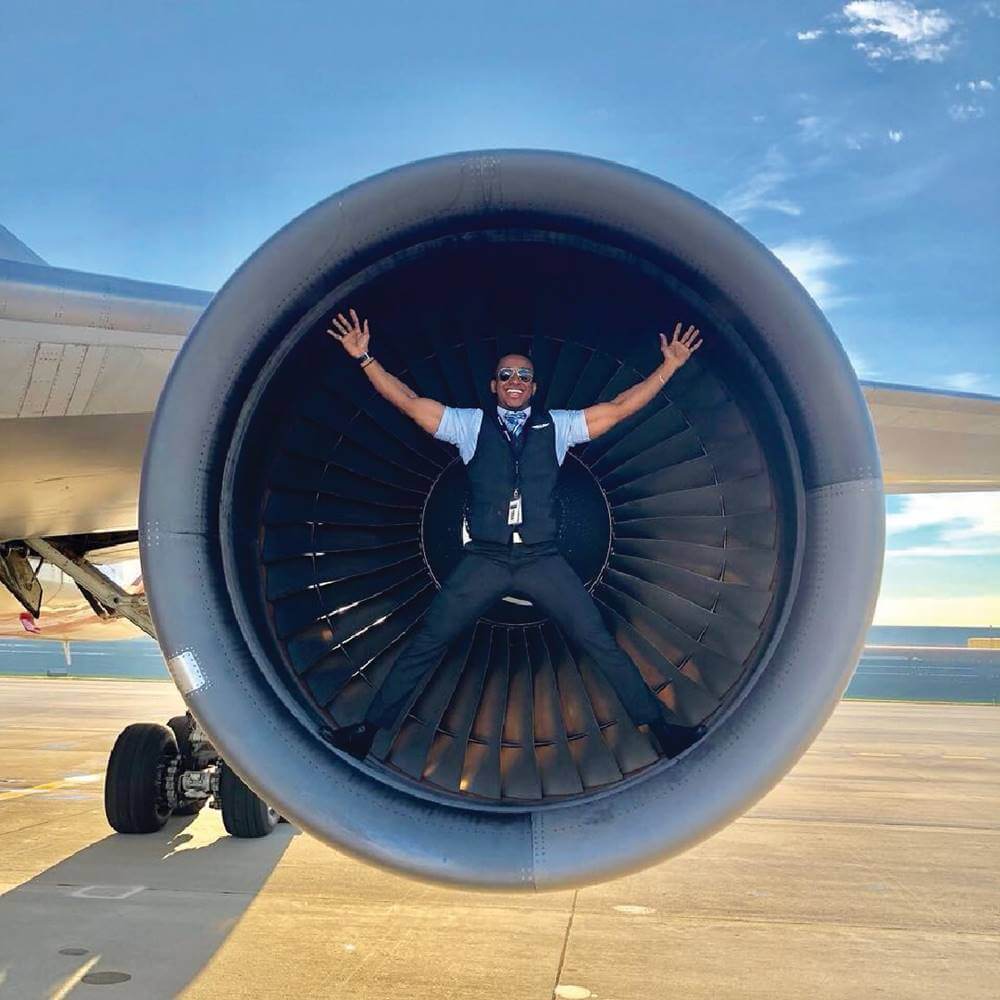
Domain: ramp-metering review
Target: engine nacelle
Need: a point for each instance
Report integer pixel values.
(294, 526)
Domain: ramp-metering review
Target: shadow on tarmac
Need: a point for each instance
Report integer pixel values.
(147, 911)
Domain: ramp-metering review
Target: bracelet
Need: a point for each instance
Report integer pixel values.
(366, 359)
(663, 381)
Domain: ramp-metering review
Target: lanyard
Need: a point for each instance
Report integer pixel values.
(513, 451)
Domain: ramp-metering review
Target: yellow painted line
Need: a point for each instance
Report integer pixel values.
(48, 786)
(74, 979)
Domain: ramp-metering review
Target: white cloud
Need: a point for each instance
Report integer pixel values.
(812, 128)
(979, 85)
(895, 135)
(811, 261)
(829, 133)
(809, 36)
(966, 381)
(760, 191)
(896, 30)
(965, 524)
(966, 112)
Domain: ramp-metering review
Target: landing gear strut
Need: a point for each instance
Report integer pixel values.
(155, 771)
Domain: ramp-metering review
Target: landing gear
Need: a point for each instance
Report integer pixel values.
(244, 813)
(155, 771)
(181, 725)
(135, 794)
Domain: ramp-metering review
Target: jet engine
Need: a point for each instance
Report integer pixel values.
(294, 526)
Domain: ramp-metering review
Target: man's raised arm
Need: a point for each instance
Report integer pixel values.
(354, 337)
(603, 416)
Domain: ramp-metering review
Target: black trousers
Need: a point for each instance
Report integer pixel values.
(486, 573)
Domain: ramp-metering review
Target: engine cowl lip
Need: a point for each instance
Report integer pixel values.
(176, 630)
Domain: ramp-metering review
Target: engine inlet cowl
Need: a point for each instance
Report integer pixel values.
(294, 526)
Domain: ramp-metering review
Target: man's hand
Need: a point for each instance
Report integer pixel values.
(681, 347)
(353, 337)
(601, 417)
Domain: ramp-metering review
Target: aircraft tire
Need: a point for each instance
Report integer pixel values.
(244, 813)
(133, 798)
(181, 726)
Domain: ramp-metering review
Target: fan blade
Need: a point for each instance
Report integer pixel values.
(750, 567)
(481, 772)
(557, 769)
(595, 763)
(411, 749)
(715, 672)
(305, 648)
(518, 767)
(292, 575)
(733, 600)
(447, 754)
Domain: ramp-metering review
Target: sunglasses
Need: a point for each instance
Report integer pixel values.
(506, 374)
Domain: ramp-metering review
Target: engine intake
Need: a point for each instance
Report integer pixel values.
(294, 526)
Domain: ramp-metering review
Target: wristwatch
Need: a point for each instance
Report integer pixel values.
(365, 359)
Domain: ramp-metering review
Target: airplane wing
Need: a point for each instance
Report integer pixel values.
(935, 442)
(83, 357)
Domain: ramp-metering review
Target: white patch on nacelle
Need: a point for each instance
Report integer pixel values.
(185, 671)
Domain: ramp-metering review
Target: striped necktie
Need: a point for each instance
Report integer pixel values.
(514, 420)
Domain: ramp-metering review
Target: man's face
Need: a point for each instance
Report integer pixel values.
(514, 394)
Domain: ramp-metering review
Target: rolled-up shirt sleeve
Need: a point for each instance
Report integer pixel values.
(571, 428)
(460, 427)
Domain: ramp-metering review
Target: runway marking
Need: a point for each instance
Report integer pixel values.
(959, 756)
(67, 782)
(862, 753)
(634, 910)
(107, 891)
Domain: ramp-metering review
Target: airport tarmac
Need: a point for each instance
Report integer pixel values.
(872, 870)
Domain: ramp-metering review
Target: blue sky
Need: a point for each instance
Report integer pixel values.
(858, 140)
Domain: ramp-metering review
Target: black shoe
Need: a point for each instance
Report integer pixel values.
(674, 739)
(355, 740)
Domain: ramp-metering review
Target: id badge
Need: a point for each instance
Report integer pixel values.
(514, 510)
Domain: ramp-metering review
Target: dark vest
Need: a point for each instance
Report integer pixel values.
(491, 480)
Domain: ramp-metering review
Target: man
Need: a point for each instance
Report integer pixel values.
(512, 458)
